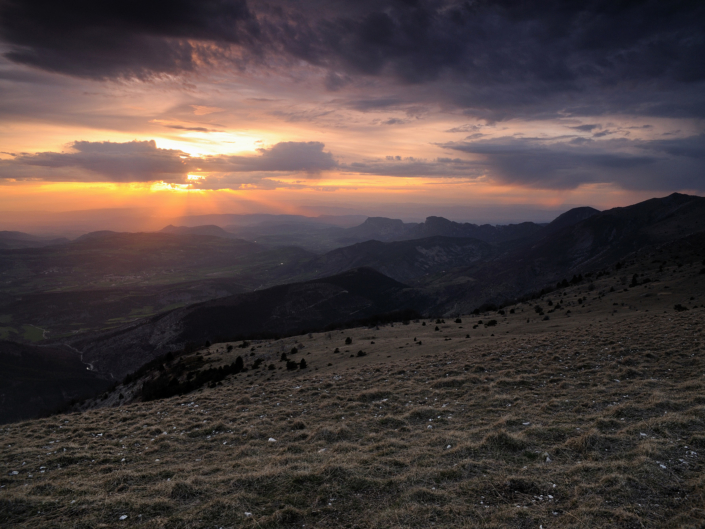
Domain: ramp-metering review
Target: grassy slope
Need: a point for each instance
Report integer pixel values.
(593, 419)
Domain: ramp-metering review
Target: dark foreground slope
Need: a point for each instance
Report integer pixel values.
(593, 418)
(284, 309)
(36, 380)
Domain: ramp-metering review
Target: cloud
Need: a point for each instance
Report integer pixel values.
(631, 164)
(112, 39)
(287, 156)
(135, 161)
(192, 129)
(143, 161)
(495, 59)
(586, 128)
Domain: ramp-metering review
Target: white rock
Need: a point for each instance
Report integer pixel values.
(123, 517)
(272, 440)
(248, 514)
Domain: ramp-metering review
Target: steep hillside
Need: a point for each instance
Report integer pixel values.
(598, 242)
(284, 309)
(38, 380)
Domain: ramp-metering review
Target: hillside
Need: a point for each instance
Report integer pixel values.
(10, 240)
(405, 261)
(39, 380)
(283, 309)
(210, 230)
(590, 245)
(588, 416)
(106, 279)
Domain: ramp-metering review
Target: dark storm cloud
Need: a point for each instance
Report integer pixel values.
(143, 161)
(654, 165)
(121, 38)
(505, 57)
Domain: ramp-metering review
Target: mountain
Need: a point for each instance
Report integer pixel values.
(210, 230)
(16, 239)
(387, 230)
(284, 309)
(36, 380)
(569, 218)
(404, 261)
(595, 243)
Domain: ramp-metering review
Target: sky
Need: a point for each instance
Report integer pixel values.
(473, 109)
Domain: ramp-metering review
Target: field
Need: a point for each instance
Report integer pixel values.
(590, 418)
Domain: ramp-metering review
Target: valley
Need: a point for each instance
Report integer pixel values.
(587, 413)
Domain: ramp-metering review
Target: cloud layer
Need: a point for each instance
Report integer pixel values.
(499, 57)
(143, 161)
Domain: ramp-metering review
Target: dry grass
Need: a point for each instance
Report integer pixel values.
(595, 419)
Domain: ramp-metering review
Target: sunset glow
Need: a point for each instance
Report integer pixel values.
(260, 122)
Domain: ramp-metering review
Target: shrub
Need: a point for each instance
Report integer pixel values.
(348, 340)
(436, 329)
(239, 364)
(291, 365)
(283, 358)
(302, 364)
(361, 353)
(458, 320)
(491, 323)
(293, 351)
(271, 367)
(680, 308)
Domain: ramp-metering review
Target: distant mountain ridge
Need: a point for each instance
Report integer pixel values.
(387, 230)
(10, 240)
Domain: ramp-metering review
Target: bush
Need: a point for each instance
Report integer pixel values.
(458, 320)
(491, 323)
(283, 358)
(436, 329)
(361, 353)
(293, 351)
(680, 308)
(303, 364)
(291, 365)
(348, 340)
